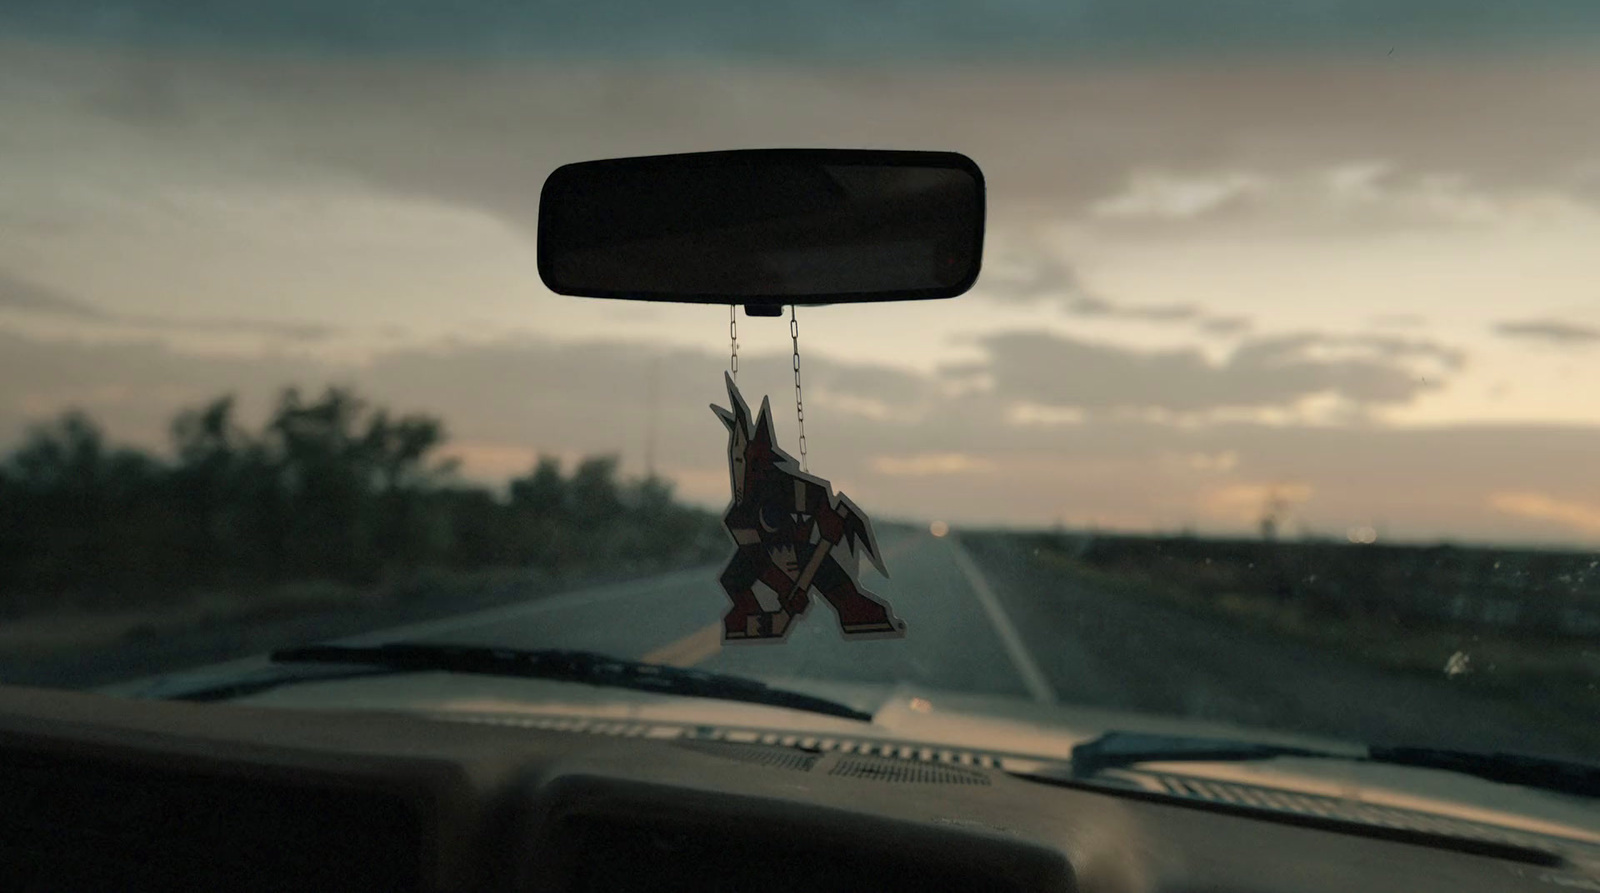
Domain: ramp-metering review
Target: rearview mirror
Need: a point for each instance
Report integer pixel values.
(764, 227)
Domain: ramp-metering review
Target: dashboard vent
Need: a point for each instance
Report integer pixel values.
(860, 758)
(1338, 809)
(733, 738)
(905, 771)
(770, 757)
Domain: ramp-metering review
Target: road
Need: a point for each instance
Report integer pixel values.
(989, 621)
(676, 619)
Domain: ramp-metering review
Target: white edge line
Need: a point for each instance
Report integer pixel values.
(1032, 677)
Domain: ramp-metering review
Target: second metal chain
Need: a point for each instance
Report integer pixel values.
(799, 404)
(733, 339)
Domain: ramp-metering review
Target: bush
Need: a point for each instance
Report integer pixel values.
(325, 489)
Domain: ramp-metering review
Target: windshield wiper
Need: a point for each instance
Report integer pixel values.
(1545, 773)
(1122, 749)
(585, 667)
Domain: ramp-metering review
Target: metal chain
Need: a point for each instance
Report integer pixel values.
(733, 340)
(799, 404)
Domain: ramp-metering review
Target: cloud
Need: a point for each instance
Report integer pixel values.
(1387, 146)
(1226, 325)
(1549, 330)
(1398, 320)
(17, 293)
(1348, 196)
(1225, 461)
(1028, 277)
(1036, 277)
(834, 31)
(1160, 195)
(1390, 347)
(931, 465)
(1200, 138)
(1266, 372)
(133, 386)
(1578, 516)
(1023, 413)
(296, 331)
(20, 294)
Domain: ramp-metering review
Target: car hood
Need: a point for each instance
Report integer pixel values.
(1016, 734)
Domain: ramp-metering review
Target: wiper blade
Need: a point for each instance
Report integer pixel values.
(1122, 749)
(1545, 773)
(586, 667)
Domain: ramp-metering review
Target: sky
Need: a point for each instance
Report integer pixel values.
(1334, 254)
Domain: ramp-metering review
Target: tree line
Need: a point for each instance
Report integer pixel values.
(326, 488)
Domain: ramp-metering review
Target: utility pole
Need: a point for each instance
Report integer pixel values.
(652, 405)
(1272, 514)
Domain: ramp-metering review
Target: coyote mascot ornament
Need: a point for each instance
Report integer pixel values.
(793, 535)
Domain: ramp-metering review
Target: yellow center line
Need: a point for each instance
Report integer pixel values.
(698, 646)
(706, 642)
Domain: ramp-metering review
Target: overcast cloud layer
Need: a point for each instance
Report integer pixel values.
(1340, 253)
(806, 28)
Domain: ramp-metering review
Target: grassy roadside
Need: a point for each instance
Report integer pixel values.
(77, 648)
(1558, 676)
(73, 630)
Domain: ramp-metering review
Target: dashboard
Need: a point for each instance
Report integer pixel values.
(104, 793)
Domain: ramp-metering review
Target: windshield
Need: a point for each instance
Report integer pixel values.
(1273, 407)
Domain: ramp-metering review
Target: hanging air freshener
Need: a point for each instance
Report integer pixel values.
(793, 533)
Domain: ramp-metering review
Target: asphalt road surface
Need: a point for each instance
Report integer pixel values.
(987, 620)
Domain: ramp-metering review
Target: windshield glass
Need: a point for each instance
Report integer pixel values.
(1274, 405)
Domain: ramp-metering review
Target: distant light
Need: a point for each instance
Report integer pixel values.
(921, 705)
(938, 528)
(1362, 535)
